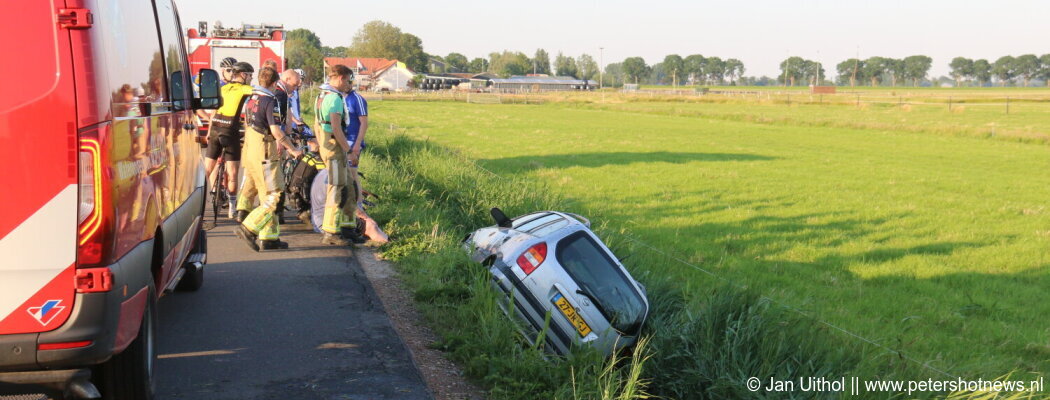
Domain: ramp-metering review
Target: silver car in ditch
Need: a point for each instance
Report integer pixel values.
(551, 262)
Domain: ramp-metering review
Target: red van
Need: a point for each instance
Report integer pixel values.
(101, 190)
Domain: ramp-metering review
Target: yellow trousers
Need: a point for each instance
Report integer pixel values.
(264, 175)
(340, 196)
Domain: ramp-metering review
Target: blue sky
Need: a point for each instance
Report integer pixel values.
(761, 33)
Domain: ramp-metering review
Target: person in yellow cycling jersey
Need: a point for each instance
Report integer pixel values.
(224, 136)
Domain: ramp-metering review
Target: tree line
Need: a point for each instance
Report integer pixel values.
(303, 49)
(1007, 69)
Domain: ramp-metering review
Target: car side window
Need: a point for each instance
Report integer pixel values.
(134, 65)
(174, 54)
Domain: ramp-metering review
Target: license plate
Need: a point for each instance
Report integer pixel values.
(570, 313)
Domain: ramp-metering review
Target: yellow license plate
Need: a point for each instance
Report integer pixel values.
(570, 313)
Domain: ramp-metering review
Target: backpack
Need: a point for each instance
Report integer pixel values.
(300, 179)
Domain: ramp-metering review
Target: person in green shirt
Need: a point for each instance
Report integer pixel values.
(330, 123)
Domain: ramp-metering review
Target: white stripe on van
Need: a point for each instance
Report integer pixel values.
(37, 250)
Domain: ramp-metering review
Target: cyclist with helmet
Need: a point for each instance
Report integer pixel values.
(226, 68)
(224, 136)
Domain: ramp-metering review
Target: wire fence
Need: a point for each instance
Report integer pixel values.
(998, 103)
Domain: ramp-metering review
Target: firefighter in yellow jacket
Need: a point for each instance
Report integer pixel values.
(340, 195)
(262, 163)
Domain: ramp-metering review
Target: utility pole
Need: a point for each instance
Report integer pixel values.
(853, 80)
(601, 66)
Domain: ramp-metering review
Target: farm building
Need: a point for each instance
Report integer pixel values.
(374, 73)
(539, 84)
(456, 80)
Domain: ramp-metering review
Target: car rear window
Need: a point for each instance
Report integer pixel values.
(601, 277)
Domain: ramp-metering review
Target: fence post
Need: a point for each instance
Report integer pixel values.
(858, 100)
(1007, 106)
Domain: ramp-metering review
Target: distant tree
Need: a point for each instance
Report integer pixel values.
(962, 68)
(1003, 69)
(564, 65)
(674, 67)
(917, 67)
(1044, 70)
(694, 67)
(510, 63)
(384, 40)
(850, 71)
(613, 75)
(541, 62)
(735, 70)
(634, 68)
(588, 69)
(1026, 66)
(791, 70)
(874, 68)
(896, 69)
(657, 75)
(811, 72)
(338, 51)
(982, 71)
(478, 65)
(302, 48)
(715, 69)
(456, 62)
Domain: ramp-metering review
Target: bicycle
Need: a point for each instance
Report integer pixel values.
(220, 198)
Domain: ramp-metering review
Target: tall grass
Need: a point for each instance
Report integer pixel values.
(700, 342)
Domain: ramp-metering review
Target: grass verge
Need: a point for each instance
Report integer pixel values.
(704, 339)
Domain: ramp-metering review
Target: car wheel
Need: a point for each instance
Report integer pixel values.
(129, 375)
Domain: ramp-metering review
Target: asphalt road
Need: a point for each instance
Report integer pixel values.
(301, 323)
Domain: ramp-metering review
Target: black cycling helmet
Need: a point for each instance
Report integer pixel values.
(243, 67)
(228, 62)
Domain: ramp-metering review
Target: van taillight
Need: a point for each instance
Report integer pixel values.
(91, 213)
(532, 258)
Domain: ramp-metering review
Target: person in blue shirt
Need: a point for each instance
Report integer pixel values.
(356, 126)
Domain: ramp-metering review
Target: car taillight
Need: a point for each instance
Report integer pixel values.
(91, 214)
(532, 258)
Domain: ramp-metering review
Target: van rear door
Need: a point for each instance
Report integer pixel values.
(39, 152)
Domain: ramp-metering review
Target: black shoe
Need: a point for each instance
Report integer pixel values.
(241, 215)
(273, 244)
(330, 239)
(353, 235)
(247, 236)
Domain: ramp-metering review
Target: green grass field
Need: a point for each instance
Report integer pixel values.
(917, 228)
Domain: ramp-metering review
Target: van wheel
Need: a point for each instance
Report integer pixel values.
(129, 375)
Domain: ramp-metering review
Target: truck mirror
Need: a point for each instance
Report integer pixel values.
(210, 98)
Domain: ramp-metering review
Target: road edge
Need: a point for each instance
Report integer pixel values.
(443, 378)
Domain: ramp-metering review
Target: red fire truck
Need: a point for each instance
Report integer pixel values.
(253, 44)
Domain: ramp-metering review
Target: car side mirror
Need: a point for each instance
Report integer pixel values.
(210, 98)
(501, 219)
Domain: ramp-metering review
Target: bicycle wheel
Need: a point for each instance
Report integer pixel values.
(218, 198)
